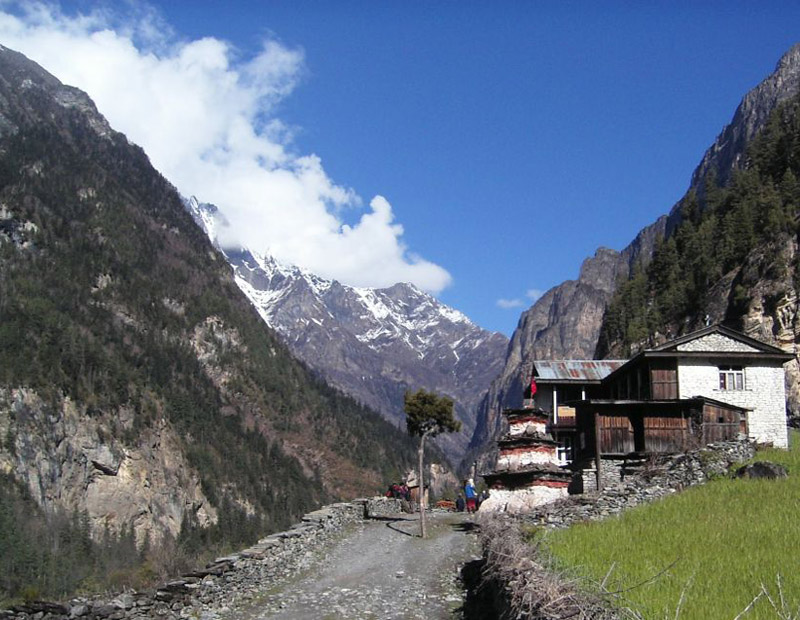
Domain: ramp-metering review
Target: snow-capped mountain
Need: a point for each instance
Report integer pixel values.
(372, 343)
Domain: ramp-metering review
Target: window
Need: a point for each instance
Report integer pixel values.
(564, 451)
(731, 378)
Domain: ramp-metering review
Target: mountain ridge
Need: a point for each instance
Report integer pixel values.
(373, 343)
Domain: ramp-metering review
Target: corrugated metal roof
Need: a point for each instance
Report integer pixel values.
(575, 370)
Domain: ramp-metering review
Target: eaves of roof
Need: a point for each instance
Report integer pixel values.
(574, 371)
(609, 402)
(718, 329)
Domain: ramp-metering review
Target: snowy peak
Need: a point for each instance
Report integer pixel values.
(207, 216)
(373, 343)
(375, 316)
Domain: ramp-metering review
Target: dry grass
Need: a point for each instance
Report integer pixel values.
(530, 585)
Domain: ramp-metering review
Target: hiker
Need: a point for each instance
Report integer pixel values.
(482, 498)
(460, 503)
(471, 494)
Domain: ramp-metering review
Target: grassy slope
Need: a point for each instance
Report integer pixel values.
(718, 542)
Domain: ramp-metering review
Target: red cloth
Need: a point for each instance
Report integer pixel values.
(533, 386)
(471, 504)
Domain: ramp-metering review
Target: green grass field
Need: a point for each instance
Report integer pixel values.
(715, 544)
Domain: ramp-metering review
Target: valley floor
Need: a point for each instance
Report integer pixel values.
(381, 570)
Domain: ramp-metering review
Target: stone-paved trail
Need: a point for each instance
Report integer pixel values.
(380, 570)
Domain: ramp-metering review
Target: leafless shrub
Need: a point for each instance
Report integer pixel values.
(533, 589)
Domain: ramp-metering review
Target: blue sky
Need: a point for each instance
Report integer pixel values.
(508, 140)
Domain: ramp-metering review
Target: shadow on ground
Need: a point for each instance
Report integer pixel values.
(465, 526)
(480, 599)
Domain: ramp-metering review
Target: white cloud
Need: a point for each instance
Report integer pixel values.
(507, 304)
(207, 121)
(534, 294)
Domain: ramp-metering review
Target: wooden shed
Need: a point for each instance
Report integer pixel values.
(623, 429)
(653, 426)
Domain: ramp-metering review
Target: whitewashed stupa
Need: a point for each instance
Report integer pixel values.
(527, 472)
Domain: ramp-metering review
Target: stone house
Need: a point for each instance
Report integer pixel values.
(560, 383)
(712, 385)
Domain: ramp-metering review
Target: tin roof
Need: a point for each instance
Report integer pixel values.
(574, 370)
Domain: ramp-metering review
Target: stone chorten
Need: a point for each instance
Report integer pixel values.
(527, 472)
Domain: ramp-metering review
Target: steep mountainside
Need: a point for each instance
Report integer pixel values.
(725, 155)
(138, 387)
(563, 323)
(732, 258)
(578, 323)
(374, 344)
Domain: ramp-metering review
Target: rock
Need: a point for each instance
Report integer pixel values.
(124, 601)
(149, 485)
(41, 607)
(762, 470)
(104, 611)
(106, 460)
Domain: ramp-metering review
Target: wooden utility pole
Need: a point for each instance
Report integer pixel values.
(598, 460)
(423, 532)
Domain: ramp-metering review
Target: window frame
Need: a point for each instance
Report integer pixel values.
(565, 450)
(731, 378)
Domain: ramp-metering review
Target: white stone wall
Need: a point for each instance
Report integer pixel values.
(763, 392)
(514, 462)
(611, 472)
(518, 428)
(521, 500)
(716, 342)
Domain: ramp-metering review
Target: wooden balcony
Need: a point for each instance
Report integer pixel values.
(565, 420)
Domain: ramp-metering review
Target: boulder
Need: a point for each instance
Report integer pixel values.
(764, 470)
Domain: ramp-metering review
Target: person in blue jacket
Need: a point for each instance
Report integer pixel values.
(471, 494)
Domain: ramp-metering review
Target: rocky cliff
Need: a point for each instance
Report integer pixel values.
(727, 152)
(769, 309)
(566, 321)
(373, 344)
(563, 324)
(69, 460)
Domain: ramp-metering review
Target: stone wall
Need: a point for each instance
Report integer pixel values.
(764, 392)
(612, 472)
(520, 500)
(657, 478)
(717, 342)
(229, 581)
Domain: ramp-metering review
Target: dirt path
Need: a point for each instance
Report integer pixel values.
(381, 570)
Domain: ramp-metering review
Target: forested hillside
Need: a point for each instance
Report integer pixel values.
(735, 246)
(714, 281)
(142, 399)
